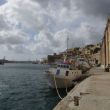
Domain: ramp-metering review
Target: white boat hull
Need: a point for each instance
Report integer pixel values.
(63, 81)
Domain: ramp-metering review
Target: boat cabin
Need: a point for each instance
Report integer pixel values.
(63, 66)
(66, 66)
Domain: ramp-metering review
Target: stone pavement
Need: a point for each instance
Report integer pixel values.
(92, 94)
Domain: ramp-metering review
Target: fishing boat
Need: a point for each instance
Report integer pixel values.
(64, 74)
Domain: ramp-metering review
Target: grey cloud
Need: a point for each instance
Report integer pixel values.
(2, 41)
(94, 35)
(94, 7)
(48, 21)
(20, 49)
(44, 51)
(3, 23)
(13, 37)
(17, 52)
(29, 18)
(67, 3)
(50, 37)
(11, 40)
(47, 38)
(14, 40)
(44, 3)
(9, 47)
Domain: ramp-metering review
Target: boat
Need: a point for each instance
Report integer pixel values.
(2, 61)
(63, 76)
(82, 64)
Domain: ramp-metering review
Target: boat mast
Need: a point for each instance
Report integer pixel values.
(67, 47)
(65, 56)
(67, 44)
(3, 61)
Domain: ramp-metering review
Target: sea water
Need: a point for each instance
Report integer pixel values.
(25, 87)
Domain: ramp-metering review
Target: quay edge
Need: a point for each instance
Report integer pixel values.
(92, 93)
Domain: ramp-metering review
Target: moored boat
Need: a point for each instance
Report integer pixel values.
(2, 61)
(63, 76)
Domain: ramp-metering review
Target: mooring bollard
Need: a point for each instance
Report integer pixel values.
(76, 100)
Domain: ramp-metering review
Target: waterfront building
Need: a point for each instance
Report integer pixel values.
(94, 60)
(105, 47)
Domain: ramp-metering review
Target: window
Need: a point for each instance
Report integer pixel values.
(58, 65)
(67, 72)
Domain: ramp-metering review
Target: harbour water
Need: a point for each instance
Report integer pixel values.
(25, 87)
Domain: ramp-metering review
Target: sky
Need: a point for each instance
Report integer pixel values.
(32, 29)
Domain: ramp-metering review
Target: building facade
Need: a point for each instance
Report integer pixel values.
(105, 47)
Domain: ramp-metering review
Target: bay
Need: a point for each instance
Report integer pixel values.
(25, 87)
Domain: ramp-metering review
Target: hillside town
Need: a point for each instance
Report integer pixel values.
(90, 52)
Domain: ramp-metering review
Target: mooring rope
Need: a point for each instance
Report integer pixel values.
(66, 88)
(57, 89)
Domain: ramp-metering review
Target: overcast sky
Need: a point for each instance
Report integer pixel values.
(31, 29)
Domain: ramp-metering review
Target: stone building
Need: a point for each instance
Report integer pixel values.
(105, 47)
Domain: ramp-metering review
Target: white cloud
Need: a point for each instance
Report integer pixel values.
(36, 28)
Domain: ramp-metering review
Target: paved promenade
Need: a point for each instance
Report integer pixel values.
(91, 94)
